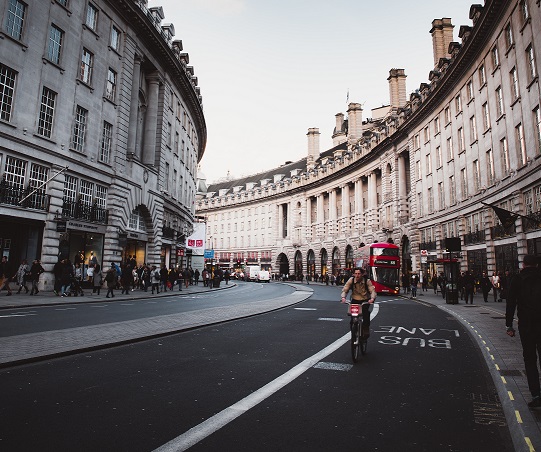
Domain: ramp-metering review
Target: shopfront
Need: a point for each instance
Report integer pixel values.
(20, 239)
(134, 244)
(81, 243)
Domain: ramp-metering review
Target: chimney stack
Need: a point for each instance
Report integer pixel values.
(442, 36)
(397, 88)
(313, 147)
(339, 135)
(355, 122)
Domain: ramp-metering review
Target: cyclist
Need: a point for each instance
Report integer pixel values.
(362, 290)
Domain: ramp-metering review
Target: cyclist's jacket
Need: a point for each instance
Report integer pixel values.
(361, 291)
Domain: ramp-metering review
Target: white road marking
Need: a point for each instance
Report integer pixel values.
(15, 315)
(330, 319)
(224, 417)
(305, 309)
(65, 309)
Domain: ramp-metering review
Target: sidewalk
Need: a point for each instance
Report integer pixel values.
(503, 355)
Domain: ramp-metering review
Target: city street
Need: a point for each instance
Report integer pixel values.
(285, 376)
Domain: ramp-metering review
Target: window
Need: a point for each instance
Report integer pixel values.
(79, 129)
(486, 117)
(495, 57)
(499, 101)
(106, 142)
(418, 169)
(450, 152)
(426, 134)
(115, 38)
(101, 196)
(428, 164)
(46, 112)
(490, 167)
(55, 44)
(524, 10)
(137, 221)
(476, 176)
(91, 17)
(473, 130)
(15, 19)
(513, 75)
(482, 75)
(469, 91)
(521, 144)
(464, 183)
(63, 2)
(436, 125)
(168, 131)
(509, 41)
(439, 159)
(461, 144)
(15, 172)
(38, 175)
(416, 142)
(166, 181)
(430, 200)
(447, 114)
(110, 88)
(175, 146)
(70, 189)
(420, 202)
(441, 196)
(458, 104)
(532, 71)
(87, 60)
(537, 128)
(452, 190)
(505, 155)
(86, 192)
(7, 91)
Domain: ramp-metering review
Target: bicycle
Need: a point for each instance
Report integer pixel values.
(359, 342)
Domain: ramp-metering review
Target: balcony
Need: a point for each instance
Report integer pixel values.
(80, 210)
(500, 232)
(12, 195)
(474, 237)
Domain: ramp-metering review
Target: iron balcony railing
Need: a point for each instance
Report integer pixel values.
(168, 233)
(12, 195)
(533, 221)
(499, 231)
(474, 237)
(80, 210)
(427, 245)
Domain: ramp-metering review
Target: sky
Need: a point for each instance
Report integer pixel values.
(271, 69)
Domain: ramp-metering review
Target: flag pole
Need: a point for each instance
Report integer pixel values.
(43, 184)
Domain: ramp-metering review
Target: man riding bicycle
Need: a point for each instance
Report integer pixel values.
(362, 290)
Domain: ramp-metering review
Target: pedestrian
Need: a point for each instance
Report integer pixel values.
(486, 285)
(495, 286)
(196, 276)
(5, 275)
(65, 279)
(97, 279)
(35, 271)
(186, 275)
(126, 279)
(57, 272)
(435, 282)
(227, 276)
(413, 284)
(460, 285)
(23, 275)
(524, 296)
(155, 276)
(469, 283)
(405, 283)
(164, 274)
(505, 279)
(442, 282)
(111, 280)
(147, 278)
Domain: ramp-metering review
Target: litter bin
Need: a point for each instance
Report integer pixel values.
(451, 294)
(216, 282)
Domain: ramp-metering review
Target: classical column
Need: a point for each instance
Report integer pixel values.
(151, 122)
(345, 209)
(358, 204)
(280, 221)
(402, 188)
(332, 212)
(134, 106)
(320, 215)
(308, 222)
(372, 200)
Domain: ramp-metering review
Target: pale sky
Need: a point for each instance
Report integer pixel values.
(271, 69)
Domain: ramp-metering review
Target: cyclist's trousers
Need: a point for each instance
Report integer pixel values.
(366, 312)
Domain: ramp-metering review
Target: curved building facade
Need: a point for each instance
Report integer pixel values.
(101, 130)
(420, 170)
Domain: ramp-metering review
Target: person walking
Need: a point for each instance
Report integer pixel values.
(126, 279)
(5, 275)
(35, 271)
(486, 285)
(469, 283)
(196, 276)
(495, 280)
(155, 275)
(111, 279)
(65, 279)
(57, 272)
(97, 279)
(414, 282)
(435, 282)
(524, 297)
(23, 275)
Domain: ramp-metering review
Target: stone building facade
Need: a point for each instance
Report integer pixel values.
(101, 130)
(419, 171)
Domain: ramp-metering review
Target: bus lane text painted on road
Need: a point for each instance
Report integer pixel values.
(417, 337)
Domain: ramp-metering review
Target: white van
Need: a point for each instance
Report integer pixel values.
(263, 276)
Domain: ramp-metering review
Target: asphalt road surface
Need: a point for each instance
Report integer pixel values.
(278, 381)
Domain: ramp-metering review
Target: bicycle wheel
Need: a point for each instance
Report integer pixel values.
(355, 341)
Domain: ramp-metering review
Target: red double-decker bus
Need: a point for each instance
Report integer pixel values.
(382, 264)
